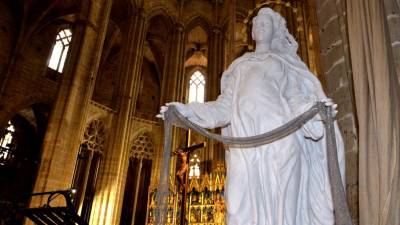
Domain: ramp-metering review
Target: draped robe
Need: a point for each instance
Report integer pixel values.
(285, 182)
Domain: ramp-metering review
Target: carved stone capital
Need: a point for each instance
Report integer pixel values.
(216, 29)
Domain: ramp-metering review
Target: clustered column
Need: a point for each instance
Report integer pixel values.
(107, 204)
(215, 69)
(173, 84)
(173, 80)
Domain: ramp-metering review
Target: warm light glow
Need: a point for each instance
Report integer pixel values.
(196, 87)
(5, 143)
(194, 169)
(60, 50)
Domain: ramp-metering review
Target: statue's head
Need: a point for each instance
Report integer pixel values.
(270, 26)
(263, 27)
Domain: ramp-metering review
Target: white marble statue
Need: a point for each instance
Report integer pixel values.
(286, 182)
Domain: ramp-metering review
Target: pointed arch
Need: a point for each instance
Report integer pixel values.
(162, 12)
(138, 176)
(198, 20)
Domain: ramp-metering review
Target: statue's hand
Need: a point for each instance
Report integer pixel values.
(329, 102)
(182, 108)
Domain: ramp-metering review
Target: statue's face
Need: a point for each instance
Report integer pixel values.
(263, 29)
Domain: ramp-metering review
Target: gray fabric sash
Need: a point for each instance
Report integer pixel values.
(172, 116)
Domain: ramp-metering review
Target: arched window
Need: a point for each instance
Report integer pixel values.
(196, 87)
(60, 50)
(7, 144)
(134, 205)
(87, 167)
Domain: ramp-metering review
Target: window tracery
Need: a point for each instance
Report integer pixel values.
(60, 50)
(197, 87)
(143, 146)
(94, 136)
(87, 166)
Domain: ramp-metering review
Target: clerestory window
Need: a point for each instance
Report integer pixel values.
(196, 87)
(60, 50)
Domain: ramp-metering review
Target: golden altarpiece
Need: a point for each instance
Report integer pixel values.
(204, 200)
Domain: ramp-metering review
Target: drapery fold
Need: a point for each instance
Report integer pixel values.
(377, 100)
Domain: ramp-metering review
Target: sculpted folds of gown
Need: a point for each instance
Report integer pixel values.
(285, 182)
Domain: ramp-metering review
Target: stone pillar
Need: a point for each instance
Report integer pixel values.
(110, 189)
(336, 66)
(65, 126)
(215, 69)
(173, 84)
(173, 81)
(215, 63)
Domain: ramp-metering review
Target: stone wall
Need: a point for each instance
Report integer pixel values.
(392, 8)
(7, 34)
(148, 103)
(27, 77)
(337, 73)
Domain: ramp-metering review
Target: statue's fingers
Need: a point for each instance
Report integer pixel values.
(163, 109)
(329, 103)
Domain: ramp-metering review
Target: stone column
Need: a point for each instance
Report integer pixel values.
(108, 202)
(215, 63)
(215, 69)
(65, 126)
(173, 83)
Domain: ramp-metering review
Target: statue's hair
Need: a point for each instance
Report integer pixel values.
(282, 40)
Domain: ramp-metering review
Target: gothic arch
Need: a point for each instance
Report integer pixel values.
(95, 135)
(134, 206)
(198, 20)
(189, 72)
(123, 10)
(162, 12)
(12, 107)
(161, 9)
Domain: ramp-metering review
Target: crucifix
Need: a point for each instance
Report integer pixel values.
(183, 174)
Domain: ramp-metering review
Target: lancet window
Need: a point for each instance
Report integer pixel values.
(60, 50)
(137, 184)
(87, 167)
(197, 87)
